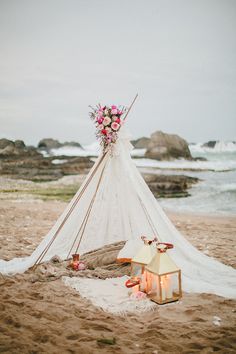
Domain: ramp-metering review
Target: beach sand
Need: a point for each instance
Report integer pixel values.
(39, 314)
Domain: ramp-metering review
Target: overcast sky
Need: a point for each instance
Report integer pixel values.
(59, 56)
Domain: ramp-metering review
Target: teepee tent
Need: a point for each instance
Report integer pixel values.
(115, 204)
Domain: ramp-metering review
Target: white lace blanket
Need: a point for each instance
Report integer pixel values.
(110, 294)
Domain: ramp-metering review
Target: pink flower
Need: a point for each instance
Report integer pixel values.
(115, 126)
(117, 120)
(106, 121)
(108, 130)
(114, 111)
(113, 107)
(81, 266)
(104, 132)
(100, 126)
(114, 118)
(120, 112)
(100, 120)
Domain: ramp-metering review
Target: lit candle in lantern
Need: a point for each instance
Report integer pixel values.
(168, 287)
(143, 284)
(163, 290)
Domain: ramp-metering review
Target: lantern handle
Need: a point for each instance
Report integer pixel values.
(130, 283)
(168, 245)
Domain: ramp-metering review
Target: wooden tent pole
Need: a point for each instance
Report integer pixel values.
(40, 258)
(130, 107)
(85, 220)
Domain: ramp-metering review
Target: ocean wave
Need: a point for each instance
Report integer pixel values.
(227, 187)
(182, 164)
(220, 146)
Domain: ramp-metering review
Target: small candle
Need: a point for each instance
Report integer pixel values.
(168, 287)
(143, 284)
(163, 291)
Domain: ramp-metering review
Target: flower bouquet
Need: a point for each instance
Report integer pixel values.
(108, 120)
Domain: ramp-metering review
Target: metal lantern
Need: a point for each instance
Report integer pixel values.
(138, 263)
(163, 277)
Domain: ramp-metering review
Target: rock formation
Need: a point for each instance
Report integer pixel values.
(141, 143)
(164, 146)
(169, 186)
(16, 148)
(49, 143)
(24, 162)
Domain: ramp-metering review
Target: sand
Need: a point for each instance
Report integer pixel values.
(39, 314)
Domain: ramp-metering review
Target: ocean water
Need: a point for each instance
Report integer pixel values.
(214, 194)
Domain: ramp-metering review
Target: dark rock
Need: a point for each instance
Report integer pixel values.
(210, 144)
(5, 142)
(76, 165)
(169, 186)
(49, 144)
(10, 148)
(35, 167)
(72, 143)
(19, 144)
(167, 147)
(199, 158)
(141, 143)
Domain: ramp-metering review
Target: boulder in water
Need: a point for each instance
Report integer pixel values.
(48, 144)
(164, 146)
(210, 144)
(141, 143)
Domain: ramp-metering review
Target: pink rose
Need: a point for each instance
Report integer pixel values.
(106, 121)
(100, 127)
(115, 126)
(117, 120)
(100, 120)
(114, 111)
(113, 107)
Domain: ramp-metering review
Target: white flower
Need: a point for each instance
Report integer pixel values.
(114, 118)
(100, 127)
(106, 112)
(106, 121)
(108, 129)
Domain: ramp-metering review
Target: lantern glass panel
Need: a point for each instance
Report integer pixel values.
(163, 288)
(136, 270)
